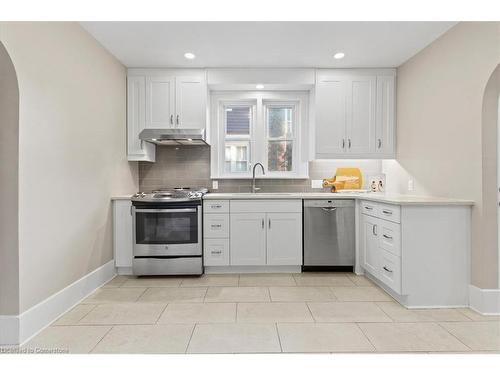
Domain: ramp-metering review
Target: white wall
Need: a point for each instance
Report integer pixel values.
(439, 118)
(72, 156)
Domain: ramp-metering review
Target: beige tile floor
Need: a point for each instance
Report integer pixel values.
(272, 313)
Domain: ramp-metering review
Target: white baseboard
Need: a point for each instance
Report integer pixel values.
(484, 301)
(33, 320)
(252, 269)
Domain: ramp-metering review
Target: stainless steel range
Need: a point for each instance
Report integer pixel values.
(168, 232)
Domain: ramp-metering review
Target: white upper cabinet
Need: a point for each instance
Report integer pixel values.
(136, 121)
(190, 102)
(160, 99)
(160, 102)
(385, 129)
(360, 132)
(331, 115)
(355, 116)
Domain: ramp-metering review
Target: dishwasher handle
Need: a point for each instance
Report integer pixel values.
(329, 209)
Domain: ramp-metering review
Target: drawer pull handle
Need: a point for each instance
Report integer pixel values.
(388, 237)
(216, 206)
(368, 208)
(216, 225)
(216, 251)
(387, 269)
(374, 230)
(387, 212)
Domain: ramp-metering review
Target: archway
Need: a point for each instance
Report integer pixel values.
(491, 176)
(9, 173)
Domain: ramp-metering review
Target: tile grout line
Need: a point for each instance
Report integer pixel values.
(451, 333)
(102, 338)
(278, 334)
(92, 309)
(161, 313)
(190, 338)
(366, 336)
(310, 312)
(140, 295)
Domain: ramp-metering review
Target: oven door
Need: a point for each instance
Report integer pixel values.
(167, 231)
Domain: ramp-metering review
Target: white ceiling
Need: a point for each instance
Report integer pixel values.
(265, 44)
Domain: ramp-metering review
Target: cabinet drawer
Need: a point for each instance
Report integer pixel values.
(266, 205)
(216, 252)
(216, 226)
(213, 206)
(389, 212)
(390, 270)
(369, 208)
(390, 236)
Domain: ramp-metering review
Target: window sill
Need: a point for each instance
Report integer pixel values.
(261, 177)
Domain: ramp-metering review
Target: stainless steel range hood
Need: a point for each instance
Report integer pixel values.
(174, 137)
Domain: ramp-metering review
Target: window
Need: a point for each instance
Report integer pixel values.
(258, 127)
(280, 143)
(238, 124)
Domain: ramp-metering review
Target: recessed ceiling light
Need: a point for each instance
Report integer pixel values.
(189, 55)
(339, 55)
(259, 86)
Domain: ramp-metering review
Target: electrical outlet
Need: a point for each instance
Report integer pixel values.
(411, 185)
(316, 184)
(215, 184)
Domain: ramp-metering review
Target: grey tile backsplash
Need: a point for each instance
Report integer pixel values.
(190, 166)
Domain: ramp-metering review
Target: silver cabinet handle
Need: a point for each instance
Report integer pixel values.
(368, 208)
(386, 236)
(269, 223)
(216, 251)
(171, 119)
(349, 142)
(379, 143)
(374, 230)
(177, 119)
(216, 225)
(343, 143)
(387, 212)
(387, 269)
(262, 223)
(328, 209)
(216, 206)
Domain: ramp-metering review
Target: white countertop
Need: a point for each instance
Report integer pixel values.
(377, 197)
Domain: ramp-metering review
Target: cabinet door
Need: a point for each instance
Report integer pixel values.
(284, 239)
(370, 248)
(331, 116)
(361, 110)
(385, 126)
(190, 102)
(122, 233)
(136, 119)
(248, 239)
(160, 102)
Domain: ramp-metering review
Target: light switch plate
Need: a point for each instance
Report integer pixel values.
(215, 184)
(316, 184)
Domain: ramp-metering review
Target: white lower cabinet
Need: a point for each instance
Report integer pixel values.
(248, 239)
(122, 234)
(216, 252)
(390, 270)
(253, 232)
(370, 245)
(284, 239)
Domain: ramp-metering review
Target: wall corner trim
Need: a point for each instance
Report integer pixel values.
(18, 329)
(484, 301)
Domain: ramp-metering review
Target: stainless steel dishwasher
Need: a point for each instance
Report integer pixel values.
(329, 232)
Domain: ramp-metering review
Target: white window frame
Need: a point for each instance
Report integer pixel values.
(258, 131)
(235, 138)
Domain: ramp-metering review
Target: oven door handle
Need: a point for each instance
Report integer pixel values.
(167, 210)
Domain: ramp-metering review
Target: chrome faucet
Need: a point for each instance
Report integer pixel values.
(255, 189)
